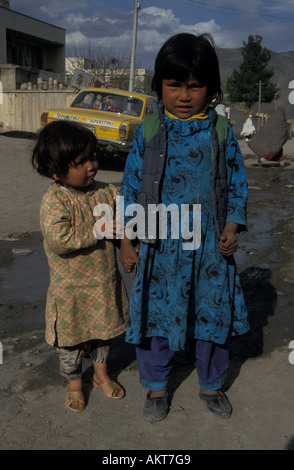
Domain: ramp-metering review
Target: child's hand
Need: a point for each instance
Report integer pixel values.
(128, 265)
(228, 243)
(128, 256)
(110, 230)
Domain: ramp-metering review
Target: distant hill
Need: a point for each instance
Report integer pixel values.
(281, 62)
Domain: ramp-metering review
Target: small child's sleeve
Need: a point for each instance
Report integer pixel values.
(61, 231)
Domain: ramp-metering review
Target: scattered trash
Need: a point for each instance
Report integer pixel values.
(22, 251)
(277, 179)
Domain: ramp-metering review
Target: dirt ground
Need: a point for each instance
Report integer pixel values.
(261, 380)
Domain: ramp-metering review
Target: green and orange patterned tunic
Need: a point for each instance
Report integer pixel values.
(86, 298)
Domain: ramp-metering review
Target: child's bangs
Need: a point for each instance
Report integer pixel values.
(76, 141)
(177, 71)
(80, 140)
(181, 70)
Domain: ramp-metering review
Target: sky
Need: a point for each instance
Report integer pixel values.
(107, 25)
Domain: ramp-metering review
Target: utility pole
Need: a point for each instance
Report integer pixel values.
(133, 56)
(259, 105)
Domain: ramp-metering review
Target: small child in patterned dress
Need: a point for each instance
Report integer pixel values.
(86, 302)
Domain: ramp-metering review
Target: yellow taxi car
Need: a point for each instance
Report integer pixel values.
(112, 114)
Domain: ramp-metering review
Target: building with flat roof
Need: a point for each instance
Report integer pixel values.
(29, 49)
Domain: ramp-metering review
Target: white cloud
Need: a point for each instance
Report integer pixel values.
(79, 20)
(155, 25)
(157, 17)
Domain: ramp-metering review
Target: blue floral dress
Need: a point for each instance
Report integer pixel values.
(180, 293)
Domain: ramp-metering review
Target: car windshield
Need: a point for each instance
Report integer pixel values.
(115, 103)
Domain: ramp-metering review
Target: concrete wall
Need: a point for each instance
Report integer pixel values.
(21, 110)
(11, 76)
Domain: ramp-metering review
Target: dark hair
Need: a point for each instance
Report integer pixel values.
(59, 144)
(185, 54)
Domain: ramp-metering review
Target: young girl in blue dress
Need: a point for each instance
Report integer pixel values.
(182, 294)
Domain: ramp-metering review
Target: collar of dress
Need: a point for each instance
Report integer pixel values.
(203, 115)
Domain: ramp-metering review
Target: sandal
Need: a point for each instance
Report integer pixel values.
(108, 389)
(71, 397)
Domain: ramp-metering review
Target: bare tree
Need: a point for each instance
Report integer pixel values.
(114, 70)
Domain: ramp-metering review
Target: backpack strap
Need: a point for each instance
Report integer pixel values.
(150, 126)
(221, 127)
(219, 130)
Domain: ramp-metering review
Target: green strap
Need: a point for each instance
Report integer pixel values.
(150, 126)
(221, 130)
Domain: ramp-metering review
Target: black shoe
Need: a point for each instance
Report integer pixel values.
(155, 408)
(217, 403)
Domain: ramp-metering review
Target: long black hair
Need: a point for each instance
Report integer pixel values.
(185, 54)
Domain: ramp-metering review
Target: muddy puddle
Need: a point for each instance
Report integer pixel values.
(24, 272)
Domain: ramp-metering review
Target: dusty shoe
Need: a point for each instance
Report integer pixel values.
(217, 404)
(155, 408)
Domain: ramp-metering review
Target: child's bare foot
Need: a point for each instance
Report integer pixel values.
(75, 400)
(102, 381)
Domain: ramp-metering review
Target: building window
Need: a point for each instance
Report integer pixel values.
(22, 53)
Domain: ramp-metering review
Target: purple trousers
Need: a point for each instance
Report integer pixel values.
(155, 362)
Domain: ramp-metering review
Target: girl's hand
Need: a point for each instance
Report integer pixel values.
(128, 265)
(228, 243)
(128, 255)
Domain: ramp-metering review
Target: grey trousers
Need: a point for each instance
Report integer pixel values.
(71, 359)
